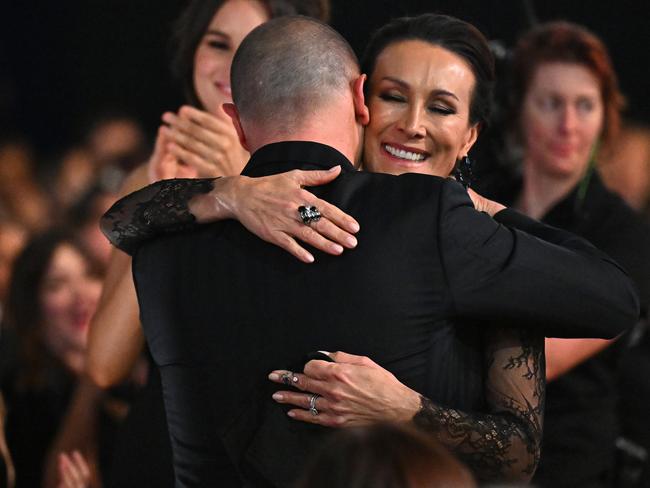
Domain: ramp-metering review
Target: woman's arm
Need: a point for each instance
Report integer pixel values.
(500, 444)
(504, 443)
(562, 355)
(115, 338)
(267, 206)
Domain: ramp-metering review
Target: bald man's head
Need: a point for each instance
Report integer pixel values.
(288, 68)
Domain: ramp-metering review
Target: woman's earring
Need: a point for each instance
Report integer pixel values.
(463, 171)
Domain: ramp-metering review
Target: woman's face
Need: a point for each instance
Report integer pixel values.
(562, 117)
(419, 103)
(213, 57)
(68, 299)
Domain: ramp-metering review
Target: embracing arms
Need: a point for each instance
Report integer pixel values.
(267, 206)
(502, 443)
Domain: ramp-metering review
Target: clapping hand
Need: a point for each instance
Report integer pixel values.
(205, 141)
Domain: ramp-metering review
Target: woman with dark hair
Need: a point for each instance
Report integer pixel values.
(384, 456)
(428, 93)
(206, 37)
(564, 106)
(53, 293)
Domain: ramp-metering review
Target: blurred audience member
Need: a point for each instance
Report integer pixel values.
(12, 239)
(21, 198)
(52, 295)
(76, 173)
(74, 471)
(565, 105)
(84, 218)
(118, 140)
(384, 456)
(113, 146)
(625, 166)
(7, 472)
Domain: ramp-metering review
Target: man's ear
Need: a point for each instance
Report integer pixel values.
(232, 112)
(360, 109)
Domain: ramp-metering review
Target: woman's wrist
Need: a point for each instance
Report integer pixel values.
(220, 203)
(411, 405)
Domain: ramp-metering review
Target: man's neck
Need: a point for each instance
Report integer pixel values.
(333, 127)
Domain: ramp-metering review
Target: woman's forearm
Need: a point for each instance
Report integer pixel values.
(115, 339)
(504, 443)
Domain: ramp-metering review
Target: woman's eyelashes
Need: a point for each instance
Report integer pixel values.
(219, 45)
(392, 97)
(441, 109)
(435, 108)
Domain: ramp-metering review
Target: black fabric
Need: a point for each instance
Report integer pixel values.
(582, 422)
(221, 309)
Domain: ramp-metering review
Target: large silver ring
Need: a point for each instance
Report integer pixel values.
(312, 404)
(309, 214)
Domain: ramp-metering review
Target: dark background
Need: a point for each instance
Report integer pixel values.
(62, 63)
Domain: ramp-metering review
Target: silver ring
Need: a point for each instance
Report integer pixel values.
(312, 404)
(309, 214)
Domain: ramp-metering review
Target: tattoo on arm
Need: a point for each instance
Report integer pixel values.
(502, 444)
(156, 209)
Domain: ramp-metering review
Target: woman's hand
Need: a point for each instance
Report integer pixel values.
(353, 390)
(268, 207)
(205, 141)
(483, 204)
(163, 165)
(74, 471)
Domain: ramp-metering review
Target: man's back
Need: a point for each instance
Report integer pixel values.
(221, 309)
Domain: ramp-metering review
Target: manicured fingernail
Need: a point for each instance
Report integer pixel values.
(291, 413)
(309, 258)
(278, 397)
(352, 242)
(354, 227)
(337, 248)
(274, 377)
(327, 353)
(334, 168)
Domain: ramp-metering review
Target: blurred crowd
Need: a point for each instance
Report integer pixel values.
(61, 429)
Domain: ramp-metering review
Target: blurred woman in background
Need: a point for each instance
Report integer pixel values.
(565, 105)
(53, 293)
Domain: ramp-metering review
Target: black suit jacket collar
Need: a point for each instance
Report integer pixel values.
(286, 156)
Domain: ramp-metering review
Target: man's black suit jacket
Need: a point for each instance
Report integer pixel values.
(221, 308)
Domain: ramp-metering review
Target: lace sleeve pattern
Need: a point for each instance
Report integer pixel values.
(156, 209)
(502, 444)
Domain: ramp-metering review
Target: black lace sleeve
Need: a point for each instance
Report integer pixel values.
(502, 444)
(158, 208)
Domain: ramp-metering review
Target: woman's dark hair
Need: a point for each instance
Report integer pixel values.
(384, 456)
(455, 35)
(195, 19)
(24, 314)
(565, 42)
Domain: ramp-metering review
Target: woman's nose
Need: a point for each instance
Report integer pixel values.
(411, 123)
(568, 120)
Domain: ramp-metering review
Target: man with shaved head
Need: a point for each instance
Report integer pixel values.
(221, 308)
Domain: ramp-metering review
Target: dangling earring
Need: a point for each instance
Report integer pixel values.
(463, 171)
